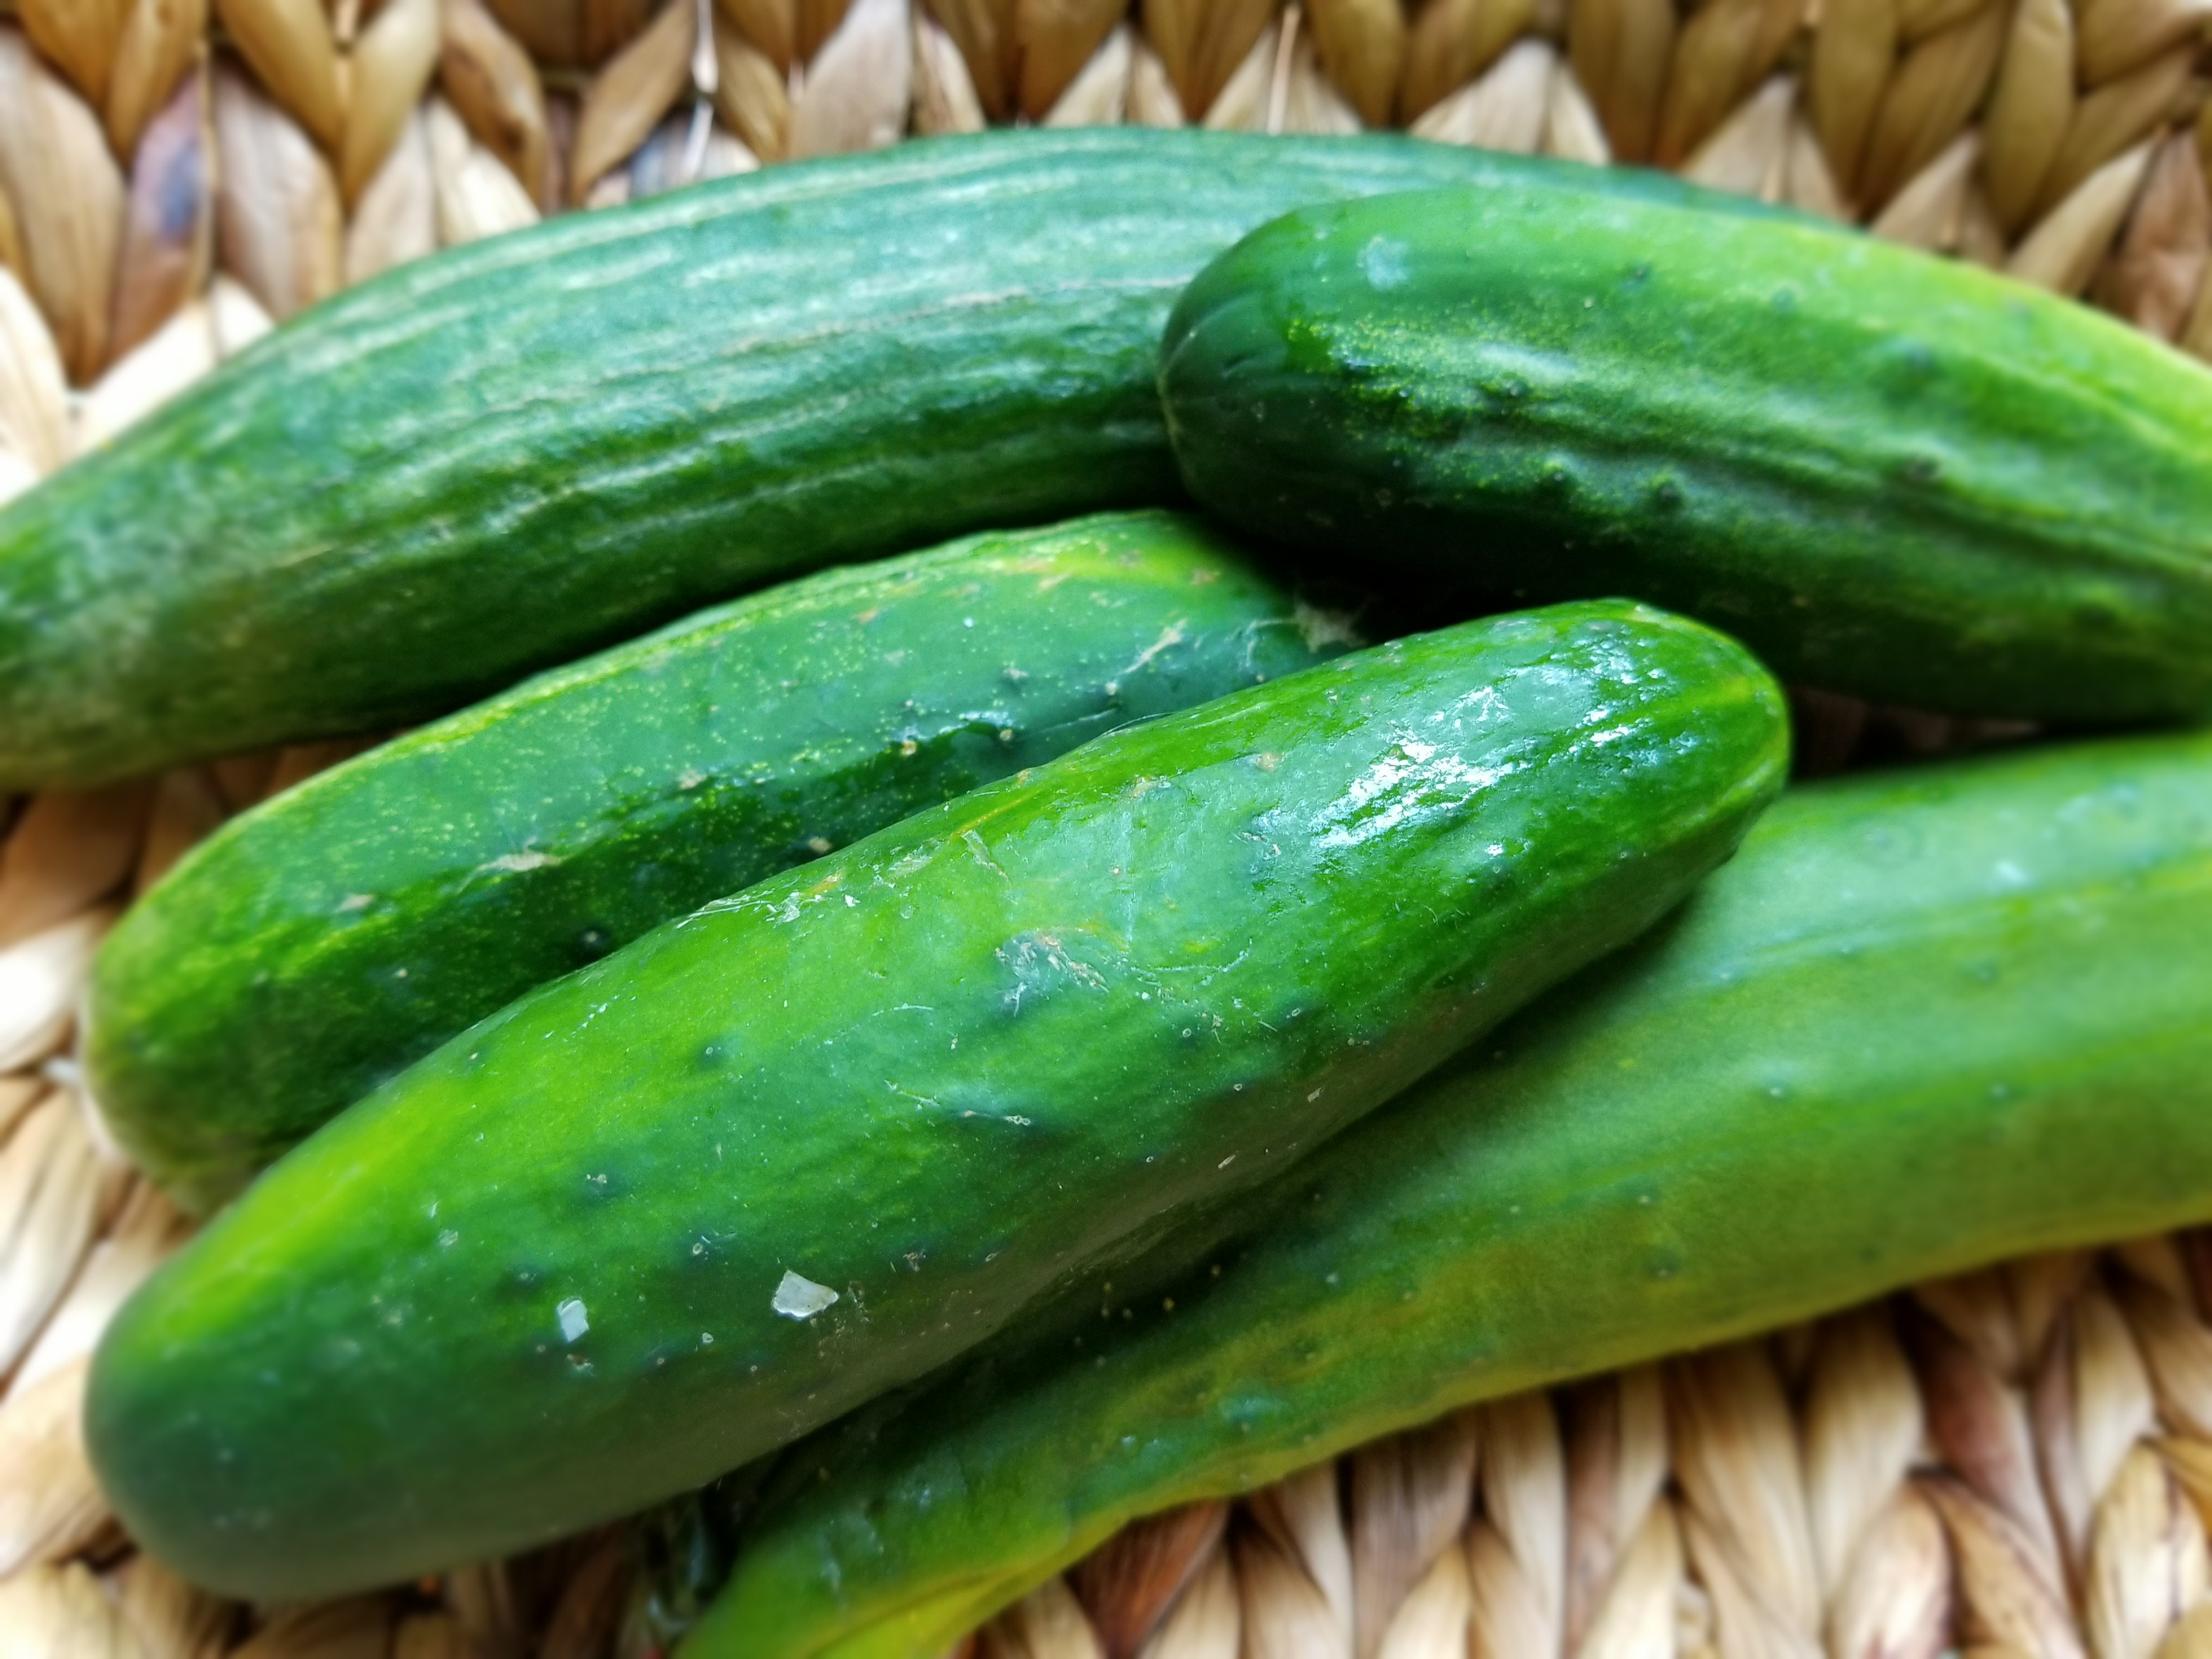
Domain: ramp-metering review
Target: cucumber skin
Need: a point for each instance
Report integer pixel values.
(496, 460)
(1692, 1141)
(1888, 474)
(254, 993)
(358, 1372)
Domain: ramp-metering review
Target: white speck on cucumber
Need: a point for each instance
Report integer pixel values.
(800, 1298)
(573, 1322)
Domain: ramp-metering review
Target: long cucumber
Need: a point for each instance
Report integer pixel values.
(1921, 1022)
(809, 1142)
(494, 460)
(1888, 474)
(317, 946)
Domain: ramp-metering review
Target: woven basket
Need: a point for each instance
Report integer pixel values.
(2020, 1459)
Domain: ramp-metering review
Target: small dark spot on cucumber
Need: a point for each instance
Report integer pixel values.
(522, 1282)
(1903, 367)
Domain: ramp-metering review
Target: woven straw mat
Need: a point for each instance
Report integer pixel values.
(2019, 1461)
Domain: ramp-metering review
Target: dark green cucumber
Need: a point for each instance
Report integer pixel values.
(1890, 475)
(316, 946)
(682, 1205)
(1922, 1021)
(492, 461)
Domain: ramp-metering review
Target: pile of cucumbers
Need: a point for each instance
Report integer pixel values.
(957, 1051)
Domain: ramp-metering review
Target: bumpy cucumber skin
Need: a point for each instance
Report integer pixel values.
(1888, 474)
(491, 461)
(315, 947)
(527, 1285)
(1922, 1021)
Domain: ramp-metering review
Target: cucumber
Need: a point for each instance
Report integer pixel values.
(1921, 1022)
(491, 462)
(1890, 475)
(775, 1157)
(318, 946)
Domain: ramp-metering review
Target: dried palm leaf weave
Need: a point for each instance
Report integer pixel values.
(2015, 1462)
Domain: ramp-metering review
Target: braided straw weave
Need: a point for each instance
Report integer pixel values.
(2015, 1462)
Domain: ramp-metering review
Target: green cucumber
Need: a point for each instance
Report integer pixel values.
(492, 461)
(1922, 1021)
(806, 1143)
(1890, 475)
(318, 946)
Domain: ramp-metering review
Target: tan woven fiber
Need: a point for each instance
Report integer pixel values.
(2017, 1463)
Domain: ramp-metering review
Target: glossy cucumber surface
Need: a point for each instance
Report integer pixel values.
(805, 1144)
(494, 460)
(1921, 1022)
(1891, 475)
(316, 946)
